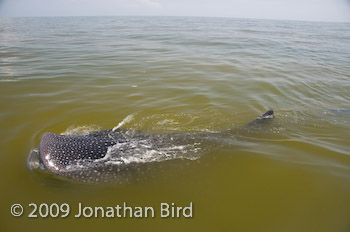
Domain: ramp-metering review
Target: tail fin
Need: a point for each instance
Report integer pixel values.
(263, 119)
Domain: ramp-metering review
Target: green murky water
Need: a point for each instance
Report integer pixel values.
(183, 75)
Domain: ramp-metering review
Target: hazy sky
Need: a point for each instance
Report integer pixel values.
(315, 10)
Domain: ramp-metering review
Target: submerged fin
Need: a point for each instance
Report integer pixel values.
(263, 119)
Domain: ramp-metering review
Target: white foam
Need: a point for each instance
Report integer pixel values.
(128, 119)
(8, 80)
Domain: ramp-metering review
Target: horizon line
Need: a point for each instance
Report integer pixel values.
(175, 16)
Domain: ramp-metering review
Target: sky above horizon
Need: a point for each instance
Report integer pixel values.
(308, 10)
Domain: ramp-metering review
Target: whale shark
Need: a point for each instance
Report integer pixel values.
(113, 154)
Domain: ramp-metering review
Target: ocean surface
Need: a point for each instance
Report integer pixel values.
(72, 75)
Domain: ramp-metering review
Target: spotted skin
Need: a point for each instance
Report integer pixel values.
(60, 151)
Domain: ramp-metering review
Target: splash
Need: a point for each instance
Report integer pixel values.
(141, 151)
(128, 119)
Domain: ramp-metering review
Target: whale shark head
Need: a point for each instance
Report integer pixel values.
(58, 152)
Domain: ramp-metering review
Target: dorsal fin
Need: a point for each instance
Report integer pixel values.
(264, 118)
